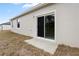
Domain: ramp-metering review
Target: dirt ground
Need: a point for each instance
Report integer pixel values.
(64, 50)
(12, 44)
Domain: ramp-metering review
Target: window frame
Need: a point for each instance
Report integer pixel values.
(50, 13)
(18, 23)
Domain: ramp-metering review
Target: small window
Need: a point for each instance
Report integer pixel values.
(18, 24)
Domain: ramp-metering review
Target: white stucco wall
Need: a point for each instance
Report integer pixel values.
(6, 27)
(0, 27)
(66, 23)
(29, 22)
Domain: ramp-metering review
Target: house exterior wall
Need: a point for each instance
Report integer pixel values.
(66, 23)
(5, 27)
(0, 27)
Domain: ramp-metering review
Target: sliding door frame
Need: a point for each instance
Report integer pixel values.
(51, 13)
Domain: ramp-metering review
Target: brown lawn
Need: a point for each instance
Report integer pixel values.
(64, 50)
(12, 44)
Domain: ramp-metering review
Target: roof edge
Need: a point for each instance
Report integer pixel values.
(32, 9)
(6, 23)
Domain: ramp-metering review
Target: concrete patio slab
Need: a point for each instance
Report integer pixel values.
(47, 46)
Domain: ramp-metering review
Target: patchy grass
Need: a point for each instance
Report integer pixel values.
(64, 50)
(12, 44)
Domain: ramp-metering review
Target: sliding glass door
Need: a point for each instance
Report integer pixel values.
(40, 26)
(46, 26)
(49, 26)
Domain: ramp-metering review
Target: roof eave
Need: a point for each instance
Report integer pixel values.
(32, 9)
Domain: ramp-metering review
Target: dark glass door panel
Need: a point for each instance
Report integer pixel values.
(40, 26)
(49, 26)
